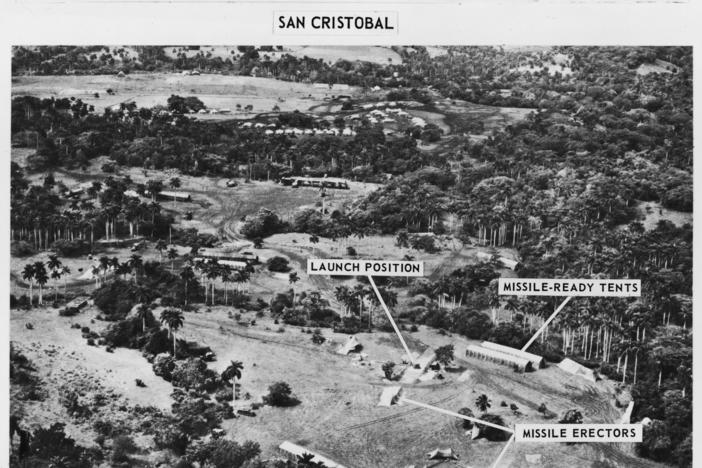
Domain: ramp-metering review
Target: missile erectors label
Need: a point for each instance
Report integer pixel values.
(326, 266)
(569, 287)
(578, 432)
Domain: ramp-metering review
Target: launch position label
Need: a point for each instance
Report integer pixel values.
(569, 287)
(578, 432)
(327, 266)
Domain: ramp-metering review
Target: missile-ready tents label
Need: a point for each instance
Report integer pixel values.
(326, 266)
(569, 287)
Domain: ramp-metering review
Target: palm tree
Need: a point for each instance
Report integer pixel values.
(212, 272)
(233, 373)
(172, 255)
(28, 275)
(41, 277)
(483, 403)
(104, 266)
(314, 240)
(65, 271)
(95, 270)
(135, 263)
(56, 275)
(292, 279)
(53, 263)
(225, 273)
(187, 276)
(143, 312)
(161, 246)
(173, 318)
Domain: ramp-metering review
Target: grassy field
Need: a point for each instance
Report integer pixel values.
(330, 54)
(147, 90)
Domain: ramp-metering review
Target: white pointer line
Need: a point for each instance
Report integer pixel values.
(392, 322)
(502, 453)
(543, 327)
(458, 415)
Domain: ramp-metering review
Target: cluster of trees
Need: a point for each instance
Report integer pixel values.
(44, 217)
(37, 273)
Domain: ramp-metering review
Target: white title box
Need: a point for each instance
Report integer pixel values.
(569, 287)
(578, 432)
(328, 266)
(336, 23)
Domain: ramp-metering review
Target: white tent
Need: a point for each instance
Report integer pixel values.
(536, 360)
(350, 346)
(498, 356)
(442, 454)
(390, 396)
(574, 368)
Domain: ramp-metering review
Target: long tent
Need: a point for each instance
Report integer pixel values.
(537, 361)
(499, 357)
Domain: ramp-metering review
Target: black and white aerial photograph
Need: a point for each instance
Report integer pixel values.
(237, 256)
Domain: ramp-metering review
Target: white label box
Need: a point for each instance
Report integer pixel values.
(578, 432)
(336, 23)
(569, 287)
(328, 266)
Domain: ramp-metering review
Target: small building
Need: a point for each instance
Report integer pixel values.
(176, 196)
(326, 182)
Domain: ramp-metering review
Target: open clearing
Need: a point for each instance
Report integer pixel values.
(338, 415)
(147, 90)
(462, 114)
(653, 212)
(330, 54)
